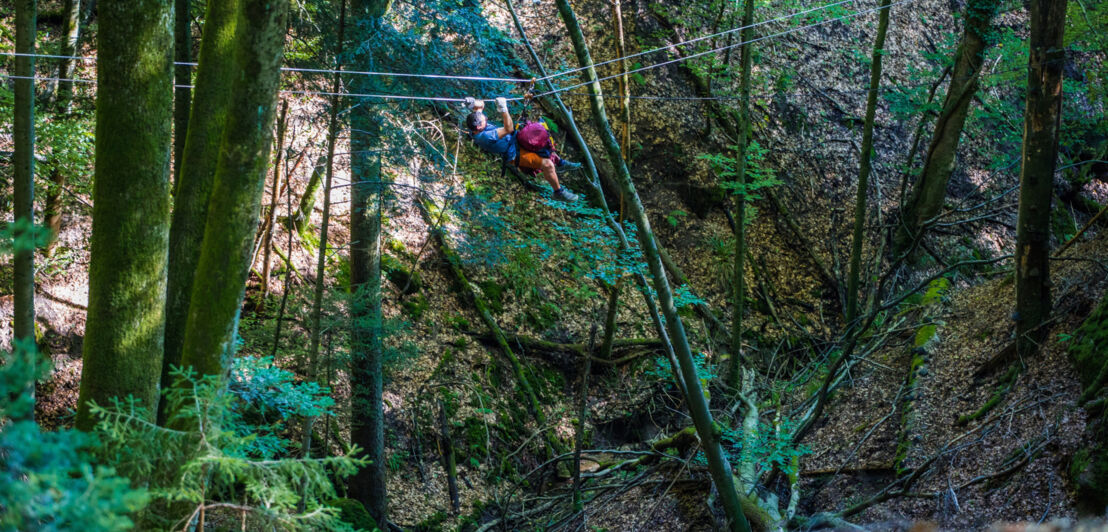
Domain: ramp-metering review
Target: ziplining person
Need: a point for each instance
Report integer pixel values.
(513, 145)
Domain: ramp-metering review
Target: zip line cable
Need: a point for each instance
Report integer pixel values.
(698, 39)
(721, 48)
(477, 78)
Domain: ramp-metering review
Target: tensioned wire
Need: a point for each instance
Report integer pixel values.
(721, 48)
(481, 78)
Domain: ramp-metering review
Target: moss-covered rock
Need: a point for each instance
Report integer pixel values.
(1089, 353)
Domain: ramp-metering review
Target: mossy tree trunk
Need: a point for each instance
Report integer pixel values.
(271, 213)
(1042, 115)
(860, 203)
(706, 428)
(930, 189)
(300, 220)
(24, 176)
(182, 77)
(130, 214)
(367, 198)
(237, 188)
(197, 167)
(738, 293)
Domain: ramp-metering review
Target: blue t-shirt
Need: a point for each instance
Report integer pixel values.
(490, 142)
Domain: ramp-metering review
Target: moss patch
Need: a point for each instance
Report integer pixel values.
(353, 513)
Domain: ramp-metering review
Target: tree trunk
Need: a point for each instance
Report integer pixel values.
(698, 407)
(1042, 115)
(267, 241)
(24, 177)
(738, 293)
(182, 77)
(366, 203)
(863, 173)
(71, 35)
(237, 189)
(930, 190)
(130, 214)
(307, 201)
(197, 173)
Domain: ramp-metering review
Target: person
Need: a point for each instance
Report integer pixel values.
(501, 141)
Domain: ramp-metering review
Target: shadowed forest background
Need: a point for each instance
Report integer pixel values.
(834, 265)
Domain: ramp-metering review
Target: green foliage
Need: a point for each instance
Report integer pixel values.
(770, 447)
(758, 174)
(231, 454)
(48, 480)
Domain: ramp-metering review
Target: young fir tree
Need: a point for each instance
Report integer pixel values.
(196, 172)
(930, 189)
(130, 214)
(1042, 115)
(368, 429)
(706, 428)
(738, 295)
(236, 196)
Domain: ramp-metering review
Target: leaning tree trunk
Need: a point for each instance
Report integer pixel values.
(182, 76)
(197, 172)
(71, 34)
(63, 102)
(237, 190)
(130, 213)
(738, 294)
(706, 428)
(368, 429)
(864, 171)
(1042, 115)
(24, 186)
(930, 190)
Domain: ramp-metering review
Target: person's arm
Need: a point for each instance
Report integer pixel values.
(509, 126)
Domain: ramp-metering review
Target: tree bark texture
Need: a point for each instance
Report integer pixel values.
(366, 203)
(237, 189)
(300, 220)
(1042, 115)
(855, 273)
(182, 77)
(195, 179)
(24, 175)
(930, 189)
(706, 428)
(738, 276)
(130, 214)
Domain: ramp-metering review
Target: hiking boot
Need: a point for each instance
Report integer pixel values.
(564, 194)
(568, 166)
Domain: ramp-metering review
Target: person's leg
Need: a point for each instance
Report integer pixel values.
(549, 173)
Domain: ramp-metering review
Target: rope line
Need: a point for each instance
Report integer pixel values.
(698, 39)
(714, 50)
(479, 78)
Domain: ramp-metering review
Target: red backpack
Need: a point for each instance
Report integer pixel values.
(534, 137)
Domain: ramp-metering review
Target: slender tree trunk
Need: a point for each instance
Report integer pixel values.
(930, 190)
(71, 35)
(182, 51)
(237, 189)
(863, 173)
(24, 176)
(63, 102)
(214, 77)
(300, 220)
(706, 428)
(368, 431)
(267, 242)
(1042, 115)
(738, 294)
(624, 82)
(130, 214)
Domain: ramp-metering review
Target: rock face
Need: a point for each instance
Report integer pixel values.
(1089, 466)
